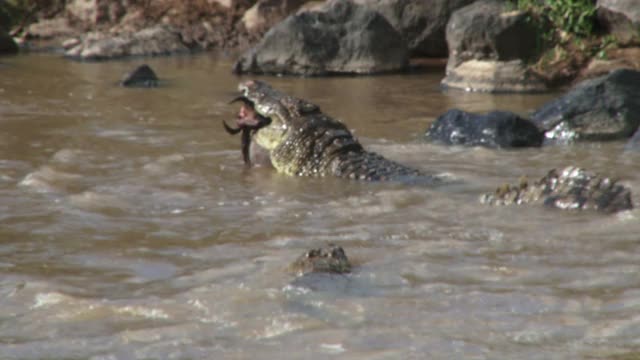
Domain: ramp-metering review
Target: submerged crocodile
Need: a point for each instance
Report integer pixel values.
(571, 188)
(301, 140)
(328, 259)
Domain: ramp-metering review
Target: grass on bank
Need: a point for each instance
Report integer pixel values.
(569, 35)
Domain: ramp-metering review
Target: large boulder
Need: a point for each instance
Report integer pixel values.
(497, 129)
(158, 40)
(340, 38)
(489, 46)
(621, 18)
(421, 22)
(7, 44)
(604, 108)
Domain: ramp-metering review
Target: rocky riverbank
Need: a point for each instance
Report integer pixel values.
(491, 45)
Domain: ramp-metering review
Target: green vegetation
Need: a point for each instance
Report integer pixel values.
(573, 17)
(568, 34)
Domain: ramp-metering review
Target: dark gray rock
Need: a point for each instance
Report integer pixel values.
(421, 22)
(7, 44)
(498, 129)
(571, 188)
(142, 76)
(604, 108)
(621, 18)
(489, 45)
(341, 38)
(157, 40)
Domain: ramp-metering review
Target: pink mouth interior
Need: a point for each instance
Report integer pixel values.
(247, 116)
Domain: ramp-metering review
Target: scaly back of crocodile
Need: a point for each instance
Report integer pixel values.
(321, 146)
(303, 141)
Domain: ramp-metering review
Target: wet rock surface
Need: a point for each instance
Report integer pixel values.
(571, 188)
(488, 47)
(340, 38)
(142, 76)
(604, 108)
(497, 129)
(328, 259)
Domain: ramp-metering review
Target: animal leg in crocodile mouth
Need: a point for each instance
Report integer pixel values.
(248, 122)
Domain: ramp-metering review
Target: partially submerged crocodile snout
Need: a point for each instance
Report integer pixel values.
(303, 141)
(327, 259)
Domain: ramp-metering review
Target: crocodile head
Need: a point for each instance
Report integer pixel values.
(302, 141)
(285, 113)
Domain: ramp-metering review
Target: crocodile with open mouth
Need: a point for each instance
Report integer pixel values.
(303, 141)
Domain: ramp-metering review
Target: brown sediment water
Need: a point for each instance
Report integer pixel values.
(130, 228)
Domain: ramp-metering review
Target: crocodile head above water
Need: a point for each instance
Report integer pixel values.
(303, 141)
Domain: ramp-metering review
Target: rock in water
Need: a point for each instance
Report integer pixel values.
(497, 129)
(142, 76)
(604, 108)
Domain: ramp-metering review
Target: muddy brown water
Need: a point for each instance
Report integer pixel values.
(129, 229)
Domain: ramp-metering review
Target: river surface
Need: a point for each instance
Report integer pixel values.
(130, 229)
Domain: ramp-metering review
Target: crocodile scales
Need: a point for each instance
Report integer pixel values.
(303, 141)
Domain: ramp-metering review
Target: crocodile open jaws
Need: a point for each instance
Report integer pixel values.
(303, 141)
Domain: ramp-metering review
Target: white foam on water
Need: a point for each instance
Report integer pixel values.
(141, 311)
(43, 300)
(333, 349)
